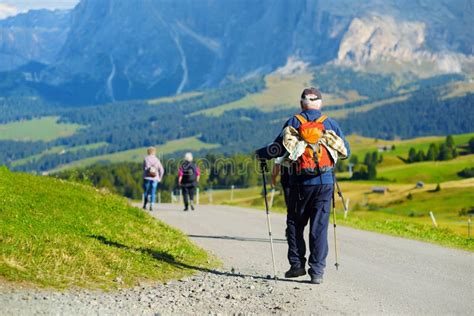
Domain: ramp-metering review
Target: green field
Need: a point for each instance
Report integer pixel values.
(429, 171)
(56, 150)
(363, 145)
(45, 128)
(59, 234)
(177, 98)
(136, 155)
(281, 92)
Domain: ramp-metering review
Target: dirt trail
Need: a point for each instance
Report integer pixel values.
(378, 273)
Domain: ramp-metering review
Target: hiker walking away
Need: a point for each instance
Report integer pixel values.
(152, 174)
(313, 143)
(188, 178)
(280, 168)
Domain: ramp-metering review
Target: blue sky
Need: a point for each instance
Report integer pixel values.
(12, 7)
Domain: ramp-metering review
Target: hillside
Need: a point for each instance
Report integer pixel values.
(59, 234)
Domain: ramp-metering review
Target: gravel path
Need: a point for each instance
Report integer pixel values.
(378, 274)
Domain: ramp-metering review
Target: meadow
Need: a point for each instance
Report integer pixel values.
(281, 92)
(45, 129)
(136, 155)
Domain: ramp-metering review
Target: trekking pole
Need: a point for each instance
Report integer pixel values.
(335, 225)
(339, 192)
(263, 167)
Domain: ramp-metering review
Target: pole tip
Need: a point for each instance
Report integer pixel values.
(337, 266)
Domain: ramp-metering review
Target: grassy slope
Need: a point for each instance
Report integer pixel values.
(45, 128)
(280, 92)
(190, 143)
(430, 171)
(60, 234)
(56, 150)
(362, 145)
(177, 98)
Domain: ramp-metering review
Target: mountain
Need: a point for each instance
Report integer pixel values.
(135, 49)
(34, 36)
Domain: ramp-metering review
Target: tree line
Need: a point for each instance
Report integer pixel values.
(439, 152)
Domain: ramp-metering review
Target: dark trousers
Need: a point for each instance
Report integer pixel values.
(188, 194)
(286, 193)
(313, 203)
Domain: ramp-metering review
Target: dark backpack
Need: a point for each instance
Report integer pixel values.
(189, 173)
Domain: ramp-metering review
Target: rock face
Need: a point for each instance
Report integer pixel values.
(377, 41)
(118, 50)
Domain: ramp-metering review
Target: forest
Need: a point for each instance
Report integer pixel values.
(133, 124)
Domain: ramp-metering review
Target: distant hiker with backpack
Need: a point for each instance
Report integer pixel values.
(152, 174)
(312, 143)
(188, 178)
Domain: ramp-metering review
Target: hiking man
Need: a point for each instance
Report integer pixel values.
(313, 143)
(152, 174)
(188, 178)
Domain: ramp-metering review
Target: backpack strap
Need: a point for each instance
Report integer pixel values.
(301, 118)
(321, 119)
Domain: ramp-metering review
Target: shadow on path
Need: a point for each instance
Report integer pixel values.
(166, 257)
(276, 240)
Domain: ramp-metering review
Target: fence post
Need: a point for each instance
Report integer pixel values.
(210, 195)
(197, 196)
(469, 227)
(433, 219)
(231, 193)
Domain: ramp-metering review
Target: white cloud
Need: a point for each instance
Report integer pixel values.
(7, 10)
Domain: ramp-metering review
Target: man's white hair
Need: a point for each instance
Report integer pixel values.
(188, 157)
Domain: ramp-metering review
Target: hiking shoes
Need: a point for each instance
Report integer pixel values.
(192, 207)
(316, 279)
(186, 209)
(295, 272)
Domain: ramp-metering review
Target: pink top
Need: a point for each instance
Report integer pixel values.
(153, 161)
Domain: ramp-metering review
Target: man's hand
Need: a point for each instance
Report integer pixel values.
(263, 165)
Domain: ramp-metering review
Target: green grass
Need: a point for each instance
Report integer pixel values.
(429, 171)
(339, 114)
(401, 227)
(281, 92)
(136, 155)
(59, 234)
(56, 150)
(177, 98)
(362, 145)
(45, 128)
